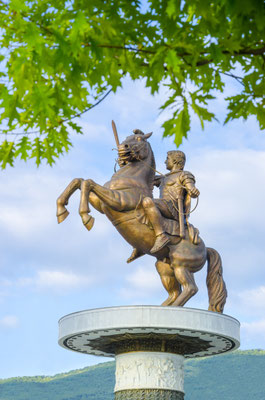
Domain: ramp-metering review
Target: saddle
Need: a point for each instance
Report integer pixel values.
(171, 226)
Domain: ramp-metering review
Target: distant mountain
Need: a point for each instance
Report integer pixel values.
(236, 376)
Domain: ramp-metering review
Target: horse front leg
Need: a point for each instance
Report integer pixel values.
(62, 200)
(118, 200)
(115, 199)
(84, 209)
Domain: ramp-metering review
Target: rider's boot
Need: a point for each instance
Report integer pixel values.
(155, 217)
(135, 254)
(161, 241)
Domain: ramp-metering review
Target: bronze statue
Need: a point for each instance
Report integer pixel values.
(158, 227)
(176, 189)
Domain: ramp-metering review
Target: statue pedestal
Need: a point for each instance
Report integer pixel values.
(149, 344)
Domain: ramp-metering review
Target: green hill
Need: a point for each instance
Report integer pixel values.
(236, 376)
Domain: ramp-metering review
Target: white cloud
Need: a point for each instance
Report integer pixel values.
(143, 282)
(253, 334)
(93, 133)
(230, 185)
(253, 300)
(5, 286)
(60, 280)
(143, 279)
(28, 215)
(5, 283)
(130, 108)
(254, 328)
(56, 280)
(27, 203)
(9, 321)
(46, 280)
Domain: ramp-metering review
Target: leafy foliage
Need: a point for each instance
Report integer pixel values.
(239, 375)
(60, 58)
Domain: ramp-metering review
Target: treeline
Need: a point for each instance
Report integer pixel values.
(239, 375)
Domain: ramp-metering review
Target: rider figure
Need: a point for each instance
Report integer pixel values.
(176, 189)
(169, 213)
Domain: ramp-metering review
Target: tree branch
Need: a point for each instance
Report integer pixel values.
(89, 108)
(253, 52)
(2, 131)
(239, 79)
(256, 52)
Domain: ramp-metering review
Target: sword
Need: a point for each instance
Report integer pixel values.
(115, 133)
(181, 219)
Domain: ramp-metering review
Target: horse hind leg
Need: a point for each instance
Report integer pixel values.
(62, 200)
(186, 280)
(169, 282)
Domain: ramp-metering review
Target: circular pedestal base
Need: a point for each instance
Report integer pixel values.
(115, 330)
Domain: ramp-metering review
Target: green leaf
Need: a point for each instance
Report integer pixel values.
(37, 150)
(239, 106)
(202, 113)
(261, 116)
(23, 147)
(18, 5)
(49, 153)
(64, 139)
(173, 61)
(13, 113)
(7, 154)
(76, 127)
(179, 125)
(173, 7)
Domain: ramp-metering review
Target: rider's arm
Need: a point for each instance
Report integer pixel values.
(188, 181)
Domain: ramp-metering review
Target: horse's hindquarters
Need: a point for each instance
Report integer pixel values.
(189, 255)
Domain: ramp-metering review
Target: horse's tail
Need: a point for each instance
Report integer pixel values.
(216, 286)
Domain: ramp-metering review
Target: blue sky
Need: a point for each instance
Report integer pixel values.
(49, 270)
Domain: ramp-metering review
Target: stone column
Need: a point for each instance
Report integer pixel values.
(149, 375)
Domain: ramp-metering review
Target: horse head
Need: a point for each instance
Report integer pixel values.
(134, 148)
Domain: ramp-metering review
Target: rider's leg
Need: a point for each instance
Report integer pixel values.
(155, 217)
(135, 254)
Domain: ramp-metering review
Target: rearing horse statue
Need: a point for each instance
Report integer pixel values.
(124, 200)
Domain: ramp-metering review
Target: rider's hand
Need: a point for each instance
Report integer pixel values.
(194, 192)
(157, 180)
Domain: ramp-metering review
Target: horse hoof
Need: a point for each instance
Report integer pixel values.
(62, 217)
(166, 303)
(89, 222)
(169, 301)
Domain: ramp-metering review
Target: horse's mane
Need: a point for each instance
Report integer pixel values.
(152, 170)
